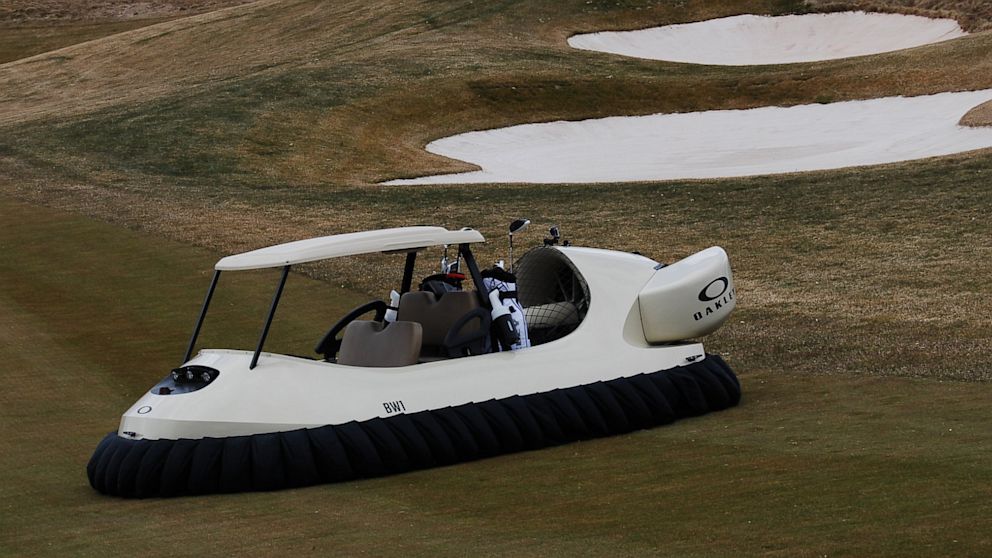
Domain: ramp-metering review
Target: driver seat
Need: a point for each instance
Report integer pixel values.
(436, 316)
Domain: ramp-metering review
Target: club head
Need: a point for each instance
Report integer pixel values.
(519, 225)
(554, 232)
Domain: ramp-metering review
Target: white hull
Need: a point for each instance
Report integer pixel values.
(285, 393)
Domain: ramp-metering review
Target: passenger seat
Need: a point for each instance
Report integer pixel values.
(376, 344)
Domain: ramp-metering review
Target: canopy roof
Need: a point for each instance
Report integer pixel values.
(324, 247)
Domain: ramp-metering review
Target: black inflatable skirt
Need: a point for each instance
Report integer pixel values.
(384, 446)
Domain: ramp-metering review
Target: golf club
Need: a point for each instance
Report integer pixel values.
(519, 225)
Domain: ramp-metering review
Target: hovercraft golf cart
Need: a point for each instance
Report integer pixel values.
(565, 344)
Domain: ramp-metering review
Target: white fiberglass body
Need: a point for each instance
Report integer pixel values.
(639, 313)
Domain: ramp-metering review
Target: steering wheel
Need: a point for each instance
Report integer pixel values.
(329, 343)
(472, 343)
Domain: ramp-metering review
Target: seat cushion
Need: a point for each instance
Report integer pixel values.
(376, 344)
(437, 316)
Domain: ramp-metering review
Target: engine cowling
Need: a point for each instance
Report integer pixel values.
(689, 298)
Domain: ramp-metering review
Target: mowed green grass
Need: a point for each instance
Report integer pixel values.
(91, 315)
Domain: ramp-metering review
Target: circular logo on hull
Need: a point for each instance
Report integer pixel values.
(714, 290)
(144, 410)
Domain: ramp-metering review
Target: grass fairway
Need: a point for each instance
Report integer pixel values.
(91, 315)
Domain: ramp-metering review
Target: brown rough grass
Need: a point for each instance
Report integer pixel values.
(833, 285)
(21, 12)
(973, 15)
(978, 116)
(22, 41)
(31, 27)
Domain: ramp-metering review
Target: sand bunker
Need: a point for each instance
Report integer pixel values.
(749, 39)
(718, 144)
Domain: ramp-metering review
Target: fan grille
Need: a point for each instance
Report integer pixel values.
(553, 293)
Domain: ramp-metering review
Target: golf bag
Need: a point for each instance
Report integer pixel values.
(506, 283)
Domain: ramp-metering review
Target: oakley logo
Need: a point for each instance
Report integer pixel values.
(714, 290)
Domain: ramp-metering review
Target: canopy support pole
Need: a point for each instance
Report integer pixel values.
(411, 259)
(268, 320)
(473, 269)
(203, 315)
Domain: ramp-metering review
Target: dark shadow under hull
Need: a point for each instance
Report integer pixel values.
(405, 442)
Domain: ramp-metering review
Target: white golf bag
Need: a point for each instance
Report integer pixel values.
(506, 283)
